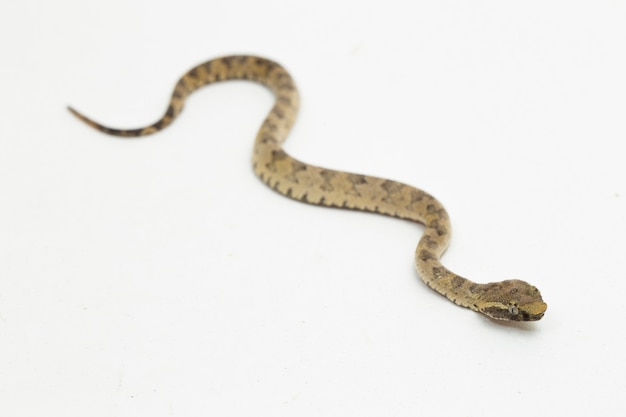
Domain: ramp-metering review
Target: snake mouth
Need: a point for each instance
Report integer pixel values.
(524, 316)
(527, 312)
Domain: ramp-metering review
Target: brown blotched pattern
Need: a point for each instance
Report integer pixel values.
(507, 300)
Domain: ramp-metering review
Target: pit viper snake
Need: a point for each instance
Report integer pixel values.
(512, 300)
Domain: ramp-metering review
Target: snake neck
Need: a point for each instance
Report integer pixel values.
(428, 253)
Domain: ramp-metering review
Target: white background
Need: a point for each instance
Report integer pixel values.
(159, 277)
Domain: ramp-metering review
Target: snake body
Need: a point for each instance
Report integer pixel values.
(513, 300)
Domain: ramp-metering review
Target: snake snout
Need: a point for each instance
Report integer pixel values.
(533, 311)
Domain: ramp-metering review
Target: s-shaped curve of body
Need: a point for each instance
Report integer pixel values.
(512, 300)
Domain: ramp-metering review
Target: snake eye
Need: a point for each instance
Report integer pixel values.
(513, 309)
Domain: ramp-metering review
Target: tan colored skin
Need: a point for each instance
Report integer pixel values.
(507, 300)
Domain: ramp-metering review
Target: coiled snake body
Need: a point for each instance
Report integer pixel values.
(507, 300)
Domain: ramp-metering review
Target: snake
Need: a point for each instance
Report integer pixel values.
(510, 300)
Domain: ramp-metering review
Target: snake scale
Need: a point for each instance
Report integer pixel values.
(512, 300)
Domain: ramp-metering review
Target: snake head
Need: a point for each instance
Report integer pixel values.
(512, 300)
